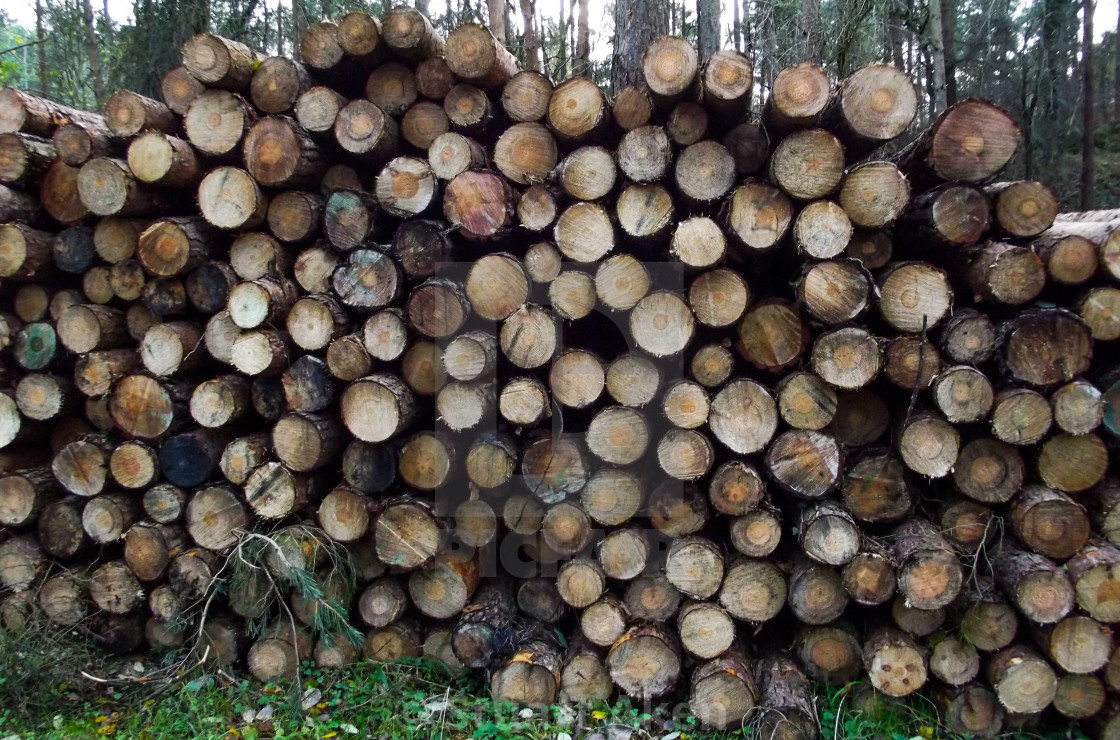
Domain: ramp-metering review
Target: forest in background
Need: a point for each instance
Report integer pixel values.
(1029, 56)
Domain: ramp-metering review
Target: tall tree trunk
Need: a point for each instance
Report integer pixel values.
(736, 36)
(1088, 158)
(563, 56)
(1116, 71)
(636, 25)
(93, 53)
(532, 43)
(936, 57)
(707, 27)
(949, 44)
(495, 13)
(572, 10)
(280, 29)
(748, 44)
(422, 6)
(894, 21)
(299, 26)
(108, 32)
(810, 30)
(40, 35)
(583, 41)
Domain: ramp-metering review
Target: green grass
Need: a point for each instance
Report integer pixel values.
(43, 695)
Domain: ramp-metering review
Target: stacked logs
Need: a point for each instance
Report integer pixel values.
(736, 404)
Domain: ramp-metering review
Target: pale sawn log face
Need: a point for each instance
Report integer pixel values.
(677, 367)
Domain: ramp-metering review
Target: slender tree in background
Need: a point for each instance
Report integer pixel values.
(707, 27)
(583, 40)
(636, 25)
(41, 51)
(949, 48)
(495, 11)
(1088, 152)
(736, 35)
(895, 32)
(810, 30)
(1116, 69)
(532, 41)
(936, 41)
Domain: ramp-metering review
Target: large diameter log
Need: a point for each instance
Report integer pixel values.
(24, 493)
(1047, 347)
(114, 589)
(644, 154)
(173, 246)
(723, 691)
(219, 62)
(443, 587)
(1040, 589)
(929, 573)
(526, 95)
(645, 662)
(161, 159)
(72, 250)
(179, 88)
(830, 654)
(280, 153)
(530, 677)
(1023, 208)
(24, 158)
(816, 593)
(25, 253)
(474, 55)
(786, 706)
(275, 492)
(1049, 522)
(18, 206)
(808, 164)
(469, 110)
(914, 296)
(107, 187)
(128, 113)
(578, 111)
(317, 109)
(804, 462)
(23, 112)
(451, 154)
(58, 193)
(753, 590)
(1093, 571)
(189, 459)
(480, 204)
(367, 280)
(797, 99)
(410, 35)
(216, 122)
(588, 173)
(359, 36)
(759, 216)
(365, 131)
(874, 194)
(872, 106)
(969, 142)
(894, 662)
(277, 84)
(1022, 679)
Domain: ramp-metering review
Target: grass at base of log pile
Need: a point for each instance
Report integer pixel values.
(41, 696)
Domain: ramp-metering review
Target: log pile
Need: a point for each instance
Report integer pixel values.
(735, 403)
